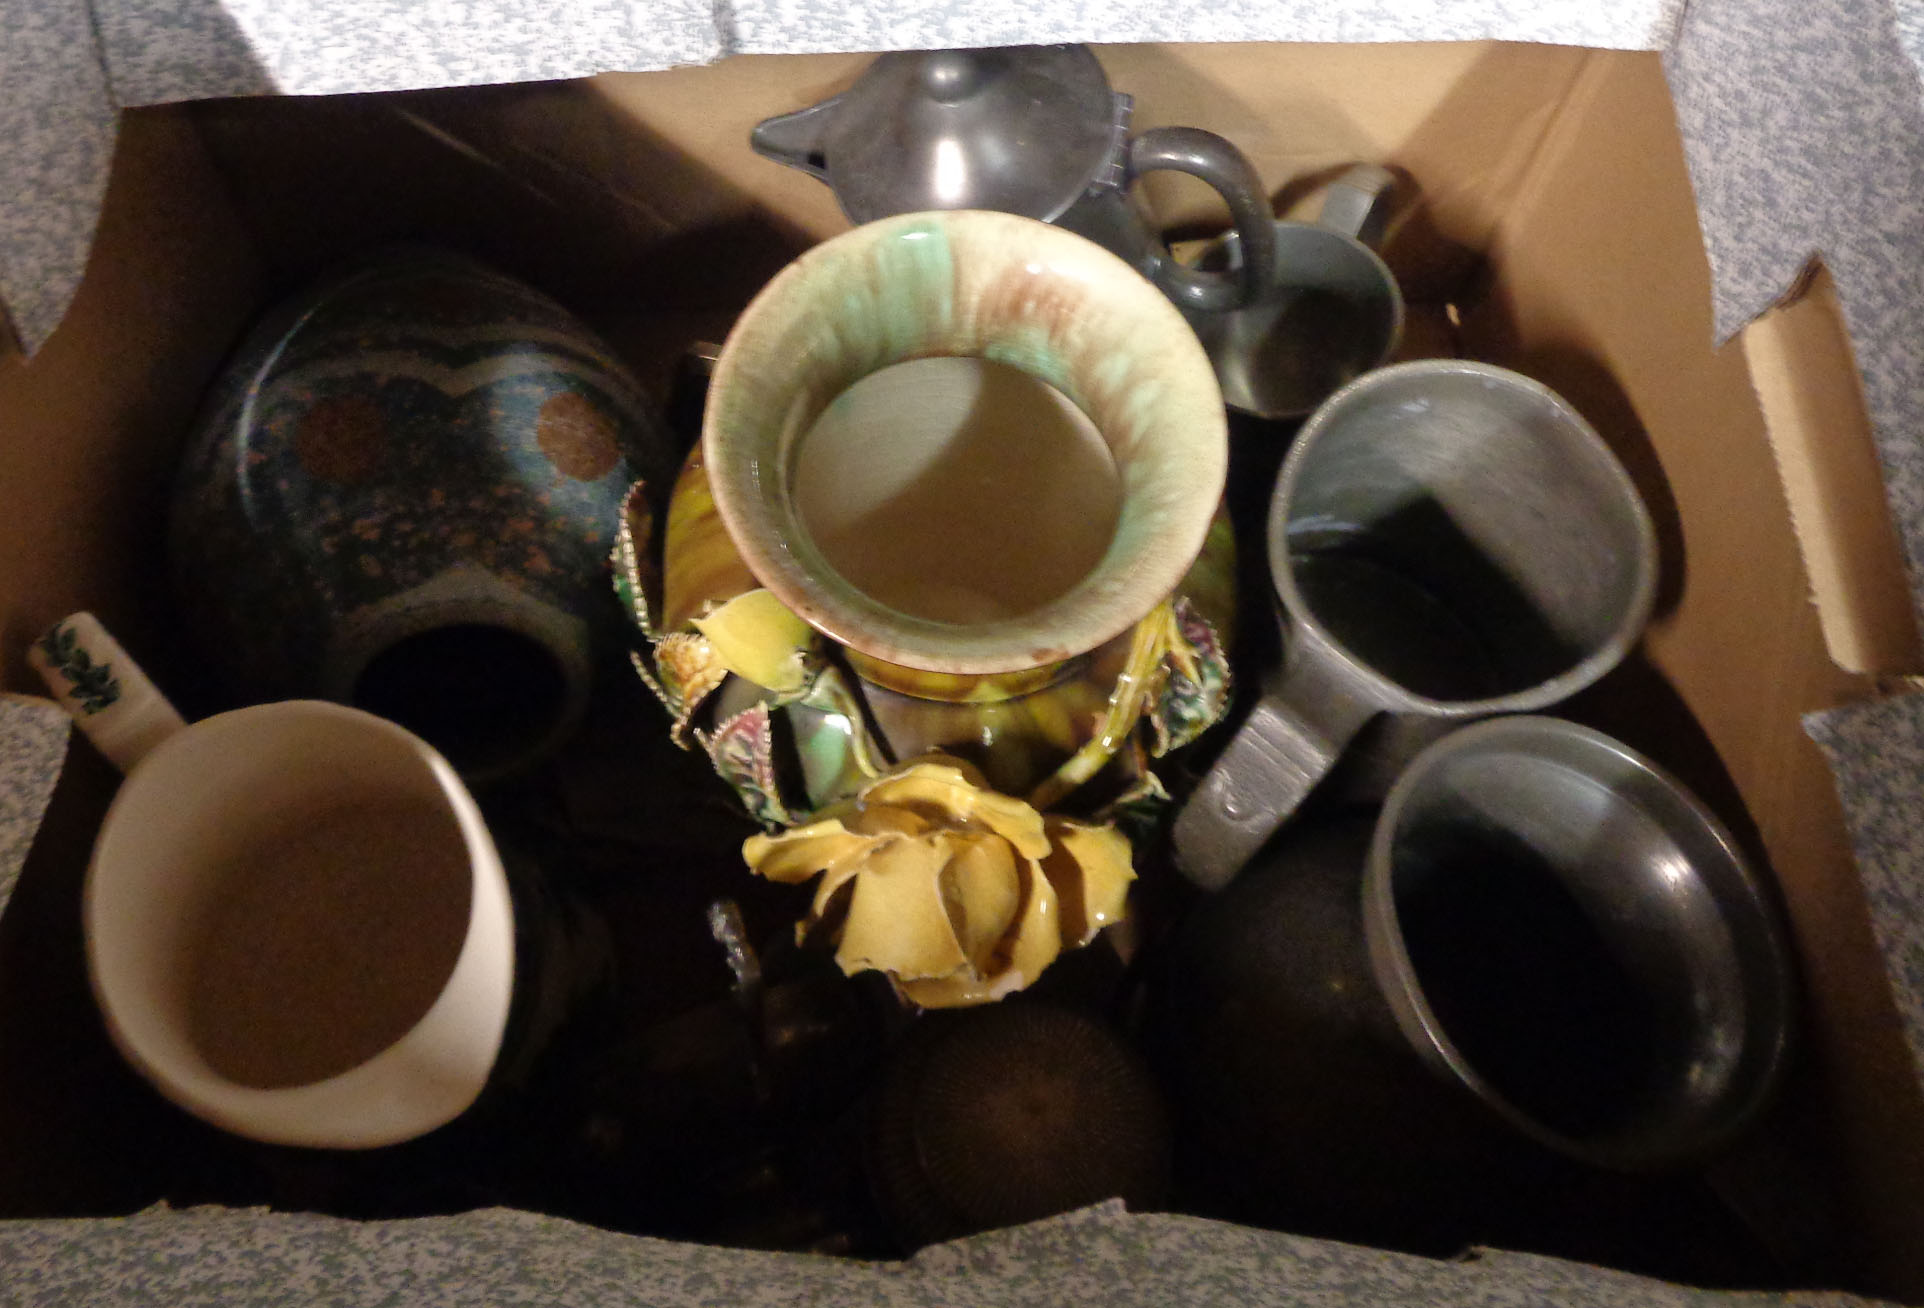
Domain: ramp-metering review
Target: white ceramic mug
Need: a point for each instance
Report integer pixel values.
(297, 925)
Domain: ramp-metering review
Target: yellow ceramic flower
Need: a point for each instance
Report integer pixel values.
(962, 895)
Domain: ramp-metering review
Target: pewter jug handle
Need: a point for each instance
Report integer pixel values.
(1358, 203)
(1301, 725)
(1208, 156)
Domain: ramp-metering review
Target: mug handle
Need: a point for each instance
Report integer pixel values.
(1358, 203)
(1306, 717)
(121, 711)
(1208, 156)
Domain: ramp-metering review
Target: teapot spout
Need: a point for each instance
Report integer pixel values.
(796, 139)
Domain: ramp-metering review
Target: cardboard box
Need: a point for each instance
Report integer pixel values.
(1554, 231)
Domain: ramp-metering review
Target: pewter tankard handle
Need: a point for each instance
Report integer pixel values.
(1308, 713)
(1448, 541)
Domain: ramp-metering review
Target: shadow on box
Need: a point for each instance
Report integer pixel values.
(644, 833)
(496, 173)
(81, 1134)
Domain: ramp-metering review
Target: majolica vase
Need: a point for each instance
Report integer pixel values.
(402, 494)
(950, 546)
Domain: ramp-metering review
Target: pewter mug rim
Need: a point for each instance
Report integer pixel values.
(1684, 1124)
(1392, 695)
(1217, 338)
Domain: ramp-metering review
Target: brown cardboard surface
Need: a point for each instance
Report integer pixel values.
(91, 424)
(1461, 120)
(549, 182)
(88, 431)
(640, 186)
(1602, 292)
(635, 198)
(1459, 123)
(1800, 360)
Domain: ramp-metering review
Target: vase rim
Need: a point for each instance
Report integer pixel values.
(970, 283)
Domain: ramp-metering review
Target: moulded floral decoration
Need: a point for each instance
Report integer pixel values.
(797, 723)
(960, 894)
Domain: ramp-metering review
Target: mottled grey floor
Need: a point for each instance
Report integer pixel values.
(1097, 1256)
(33, 747)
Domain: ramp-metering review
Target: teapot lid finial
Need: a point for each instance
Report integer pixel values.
(952, 75)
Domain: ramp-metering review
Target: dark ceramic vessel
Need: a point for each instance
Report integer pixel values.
(402, 494)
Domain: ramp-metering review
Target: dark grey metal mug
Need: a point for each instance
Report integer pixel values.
(1562, 927)
(1448, 541)
(1330, 310)
(1538, 919)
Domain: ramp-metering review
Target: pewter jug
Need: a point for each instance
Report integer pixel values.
(1032, 130)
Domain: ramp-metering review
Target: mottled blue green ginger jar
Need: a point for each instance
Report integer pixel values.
(401, 495)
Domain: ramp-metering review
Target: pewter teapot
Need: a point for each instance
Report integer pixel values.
(1033, 130)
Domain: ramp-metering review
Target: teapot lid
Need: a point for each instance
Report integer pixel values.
(1024, 130)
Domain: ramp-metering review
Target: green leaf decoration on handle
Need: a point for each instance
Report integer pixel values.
(1195, 694)
(94, 685)
(743, 752)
